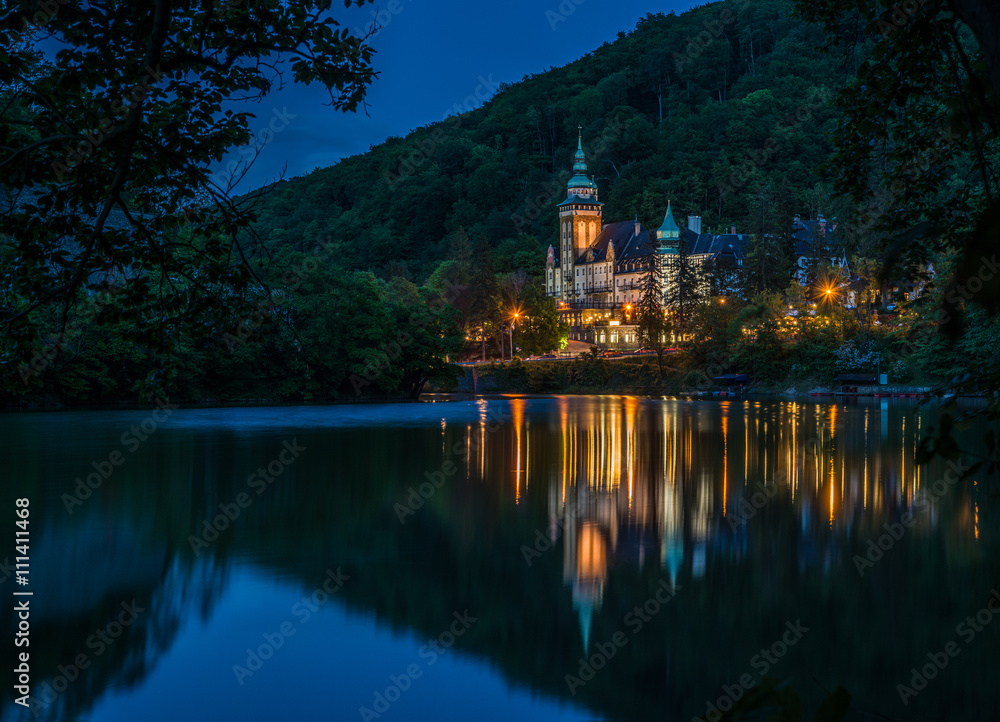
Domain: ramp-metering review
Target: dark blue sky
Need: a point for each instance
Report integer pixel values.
(431, 55)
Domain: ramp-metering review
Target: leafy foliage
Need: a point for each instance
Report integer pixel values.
(104, 187)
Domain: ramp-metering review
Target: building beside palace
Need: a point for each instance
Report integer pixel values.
(596, 273)
(817, 241)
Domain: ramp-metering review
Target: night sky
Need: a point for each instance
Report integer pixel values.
(431, 55)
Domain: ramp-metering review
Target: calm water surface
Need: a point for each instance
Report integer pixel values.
(561, 558)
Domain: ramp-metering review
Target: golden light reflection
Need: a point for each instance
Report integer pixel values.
(642, 477)
(831, 505)
(631, 407)
(482, 404)
(591, 553)
(564, 431)
(725, 456)
(517, 419)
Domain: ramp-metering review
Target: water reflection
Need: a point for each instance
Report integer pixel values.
(755, 511)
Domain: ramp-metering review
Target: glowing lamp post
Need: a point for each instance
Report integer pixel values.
(516, 314)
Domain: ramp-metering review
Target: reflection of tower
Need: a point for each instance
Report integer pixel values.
(590, 529)
(672, 551)
(671, 515)
(591, 570)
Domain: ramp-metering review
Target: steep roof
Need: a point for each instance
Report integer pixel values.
(668, 230)
(580, 179)
(631, 250)
(806, 233)
(574, 198)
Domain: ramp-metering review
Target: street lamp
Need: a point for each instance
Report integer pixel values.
(510, 330)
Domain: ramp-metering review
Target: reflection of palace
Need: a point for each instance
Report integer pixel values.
(635, 481)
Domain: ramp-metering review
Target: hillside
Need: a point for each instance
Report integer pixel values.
(725, 109)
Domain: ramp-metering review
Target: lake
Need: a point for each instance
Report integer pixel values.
(508, 558)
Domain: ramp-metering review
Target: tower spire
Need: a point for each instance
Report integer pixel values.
(580, 160)
(580, 186)
(669, 233)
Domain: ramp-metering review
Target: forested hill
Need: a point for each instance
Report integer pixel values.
(725, 110)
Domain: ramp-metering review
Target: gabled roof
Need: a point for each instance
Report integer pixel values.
(706, 243)
(806, 233)
(622, 234)
(632, 250)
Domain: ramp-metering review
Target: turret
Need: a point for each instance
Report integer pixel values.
(579, 222)
(668, 235)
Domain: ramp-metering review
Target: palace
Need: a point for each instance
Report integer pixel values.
(596, 273)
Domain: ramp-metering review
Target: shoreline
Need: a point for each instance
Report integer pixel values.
(450, 396)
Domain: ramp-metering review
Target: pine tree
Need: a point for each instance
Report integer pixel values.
(653, 327)
(684, 287)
